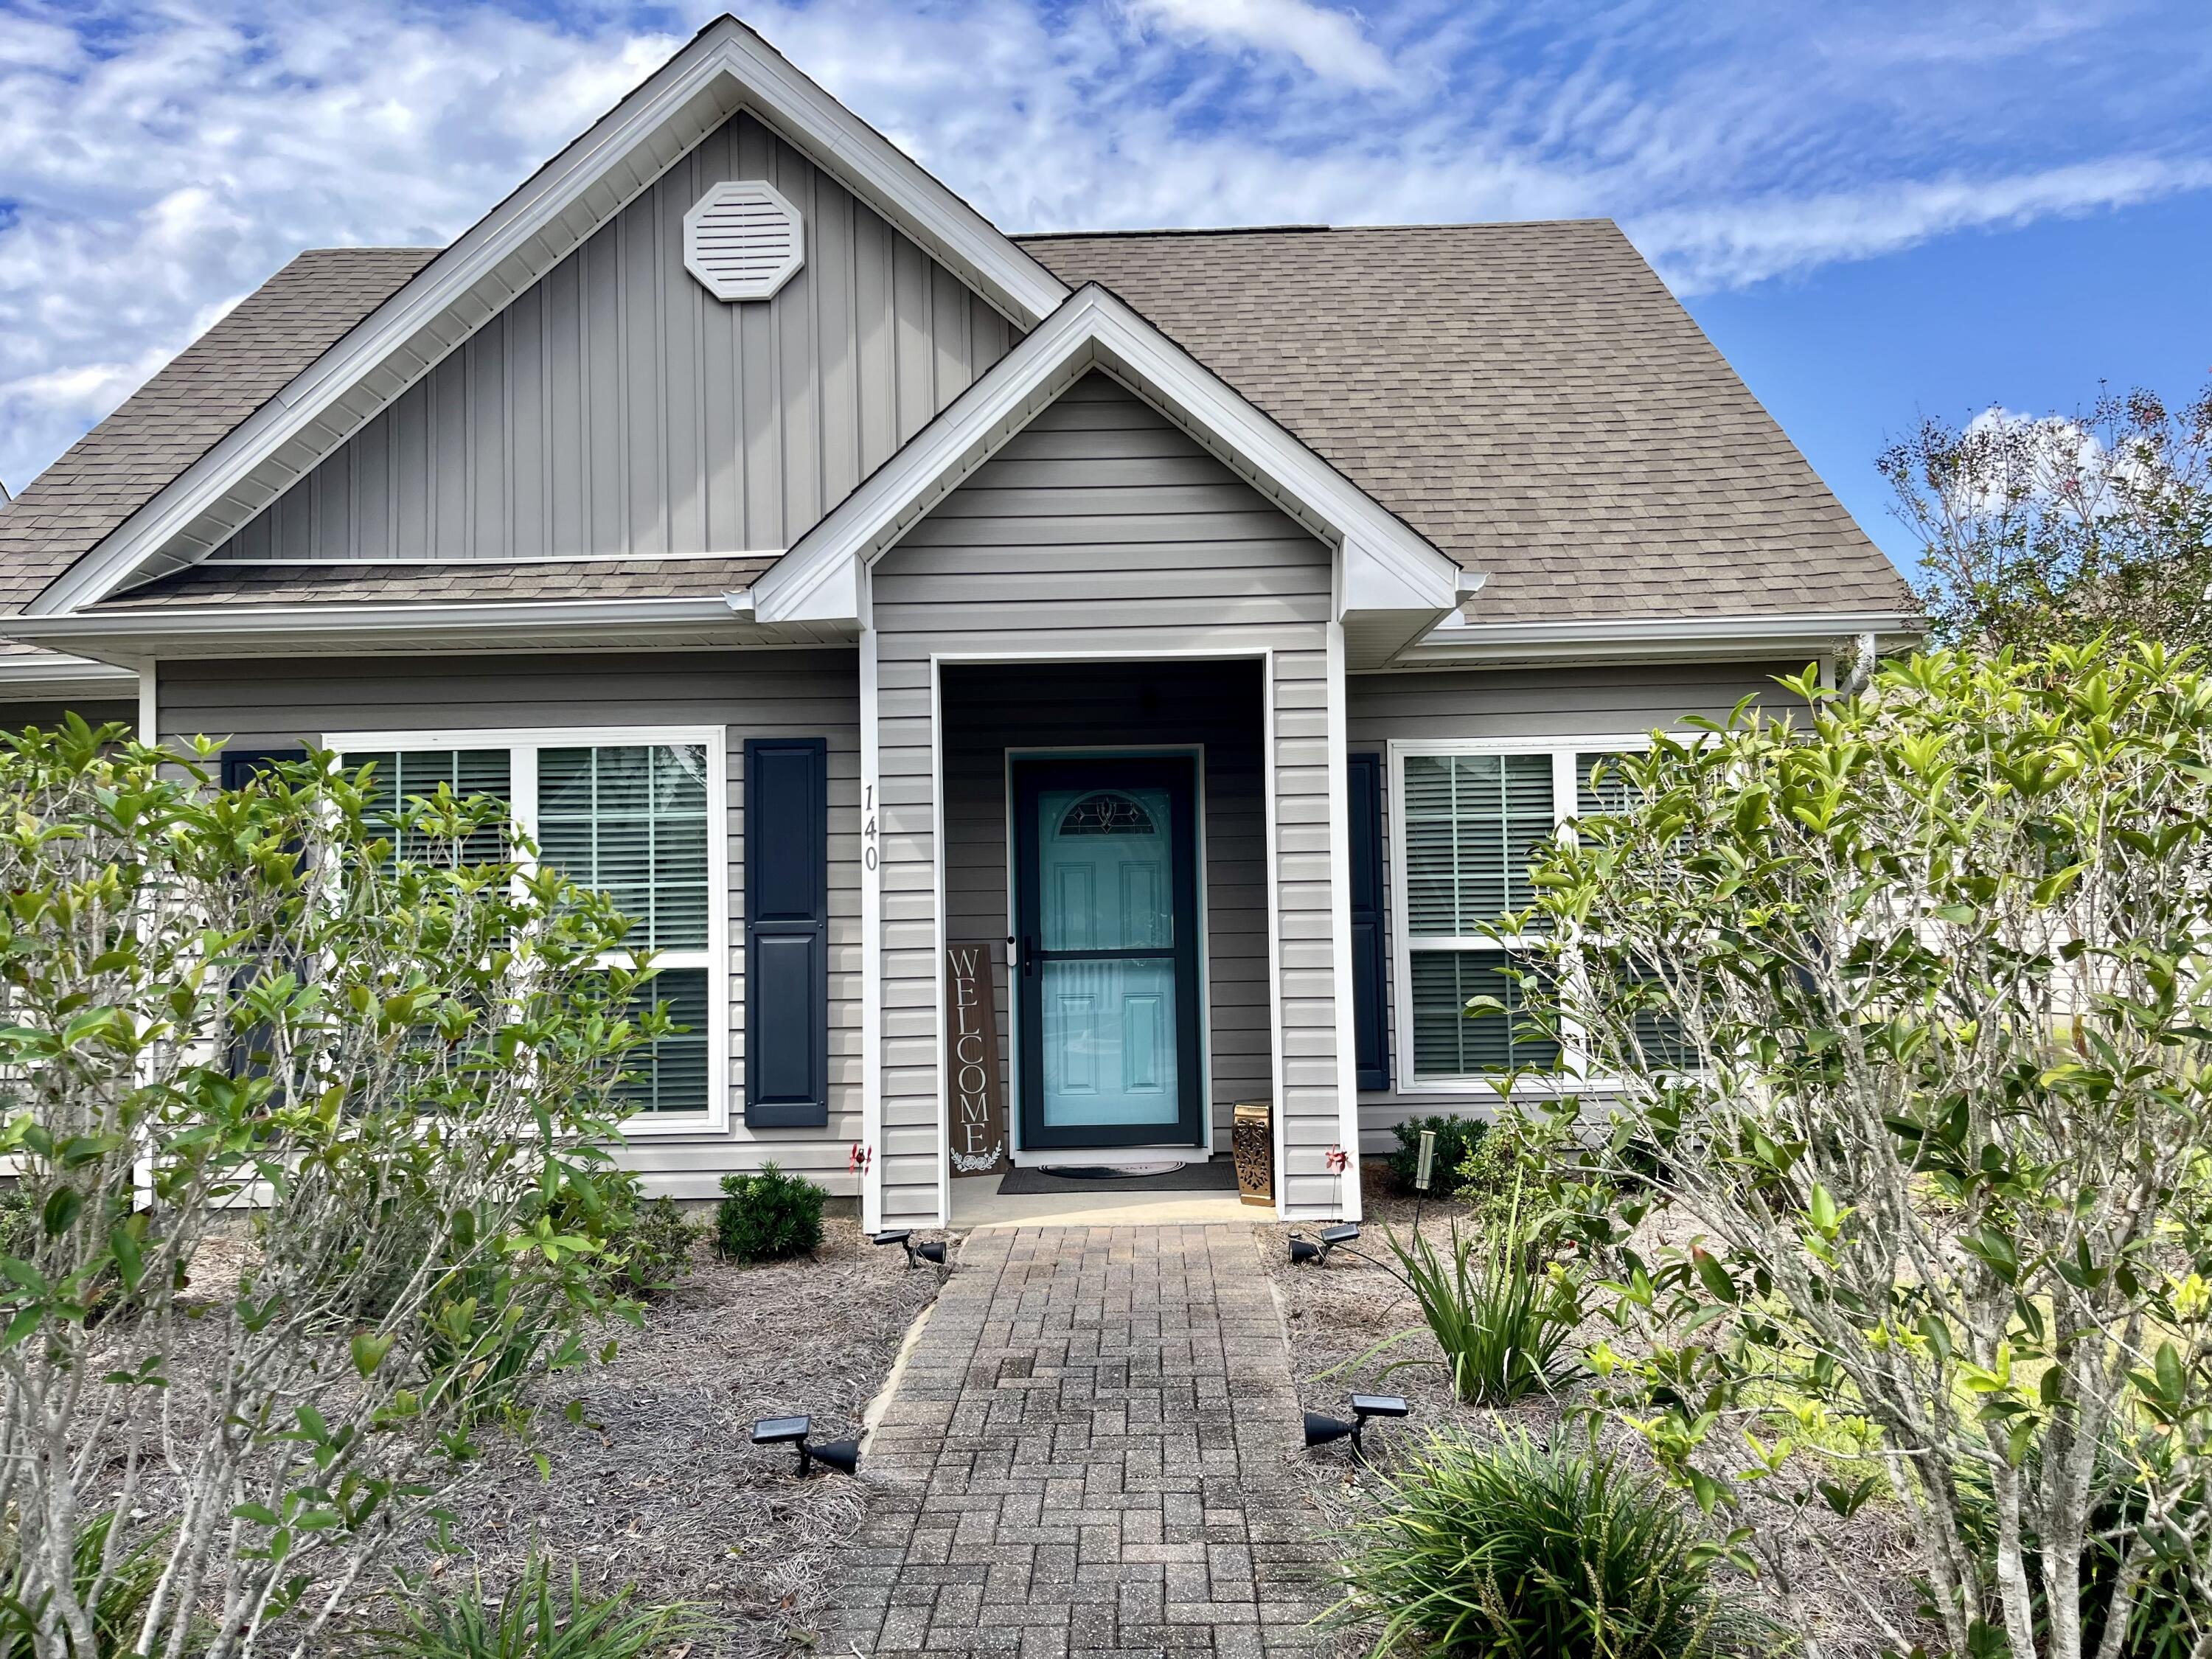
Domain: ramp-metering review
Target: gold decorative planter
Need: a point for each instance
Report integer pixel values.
(1252, 1140)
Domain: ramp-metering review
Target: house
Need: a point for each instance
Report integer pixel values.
(1199, 626)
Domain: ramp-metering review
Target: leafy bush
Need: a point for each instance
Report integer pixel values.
(2168, 1610)
(114, 1593)
(1524, 1551)
(1457, 1138)
(768, 1217)
(653, 1250)
(528, 1620)
(401, 1057)
(1503, 1320)
(1910, 997)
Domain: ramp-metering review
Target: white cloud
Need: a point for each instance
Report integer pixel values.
(156, 162)
(1327, 42)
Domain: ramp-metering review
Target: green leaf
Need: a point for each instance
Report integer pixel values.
(63, 1206)
(368, 1352)
(1713, 1276)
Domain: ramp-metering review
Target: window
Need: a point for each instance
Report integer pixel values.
(637, 815)
(1467, 821)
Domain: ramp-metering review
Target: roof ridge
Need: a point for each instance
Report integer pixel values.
(1307, 230)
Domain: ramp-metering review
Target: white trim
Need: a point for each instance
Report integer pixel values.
(52, 674)
(500, 561)
(523, 744)
(251, 621)
(1195, 753)
(1460, 639)
(1339, 890)
(149, 704)
(1095, 330)
(1278, 1118)
(871, 940)
(937, 957)
(1562, 751)
(726, 68)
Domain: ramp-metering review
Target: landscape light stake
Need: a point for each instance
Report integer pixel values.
(843, 1456)
(1424, 1169)
(931, 1251)
(1321, 1429)
(1304, 1249)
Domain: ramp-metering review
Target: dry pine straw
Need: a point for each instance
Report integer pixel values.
(660, 1486)
(1334, 1314)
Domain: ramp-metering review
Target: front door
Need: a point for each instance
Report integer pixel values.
(1106, 904)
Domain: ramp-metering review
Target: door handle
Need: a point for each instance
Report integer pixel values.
(1028, 957)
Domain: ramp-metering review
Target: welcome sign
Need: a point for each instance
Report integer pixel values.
(977, 1123)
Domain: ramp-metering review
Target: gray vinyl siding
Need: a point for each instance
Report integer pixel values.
(49, 716)
(617, 407)
(1102, 530)
(989, 711)
(1544, 706)
(750, 695)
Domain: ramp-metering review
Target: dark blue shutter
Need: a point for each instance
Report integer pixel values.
(1370, 1029)
(786, 835)
(241, 766)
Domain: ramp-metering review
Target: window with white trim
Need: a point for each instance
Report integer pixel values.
(637, 815)
(1469, 819)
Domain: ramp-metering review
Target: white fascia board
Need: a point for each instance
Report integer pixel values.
(1460, 641)
(257, 622)
(816, 580)
(726, 67)
(52, 675)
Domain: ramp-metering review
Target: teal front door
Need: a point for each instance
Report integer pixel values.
(1106, 903)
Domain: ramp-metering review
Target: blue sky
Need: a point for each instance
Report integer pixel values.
(1878, 208)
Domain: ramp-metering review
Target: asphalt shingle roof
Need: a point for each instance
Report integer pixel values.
(484, 581)
(187, 408)
(1529, 397)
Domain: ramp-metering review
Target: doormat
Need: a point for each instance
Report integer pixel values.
(1217, 1176)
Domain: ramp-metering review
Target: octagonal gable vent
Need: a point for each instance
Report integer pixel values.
(742, 241)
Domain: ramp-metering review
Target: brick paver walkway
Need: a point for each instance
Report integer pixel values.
(1086, 1457)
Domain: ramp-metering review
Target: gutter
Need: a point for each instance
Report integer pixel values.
(1456, 640)
(255, 622)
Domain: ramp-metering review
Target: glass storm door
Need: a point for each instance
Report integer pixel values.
(1106, 897)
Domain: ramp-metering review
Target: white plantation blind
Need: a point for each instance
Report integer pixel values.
(1447, 1043)
(1473, 823)
(631, 822)
(1599, 785)
(408, 774)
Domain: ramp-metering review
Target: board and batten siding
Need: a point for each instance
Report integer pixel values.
(1548, 706)
(617, 407)
(1102, 531)
(1213, 706)
(767, 693)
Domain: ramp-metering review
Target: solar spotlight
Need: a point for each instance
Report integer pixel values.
(1321, 1429)
(933, 1251)
(841, 1454)
(1305, 1249)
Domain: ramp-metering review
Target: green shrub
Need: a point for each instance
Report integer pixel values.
(118, 1604)
(1503, 1319)
(768, 1216)
(528, 1620)
(2167, 1612)
(1524, 1551)
(652, 1251)
(1457, 1138)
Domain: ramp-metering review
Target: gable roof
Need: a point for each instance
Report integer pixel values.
(190, 405)
(724, 68)
(1388, 567)
(1530, 396)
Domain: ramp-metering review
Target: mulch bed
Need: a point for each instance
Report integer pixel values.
(1335, 1314)
(659, 1485)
